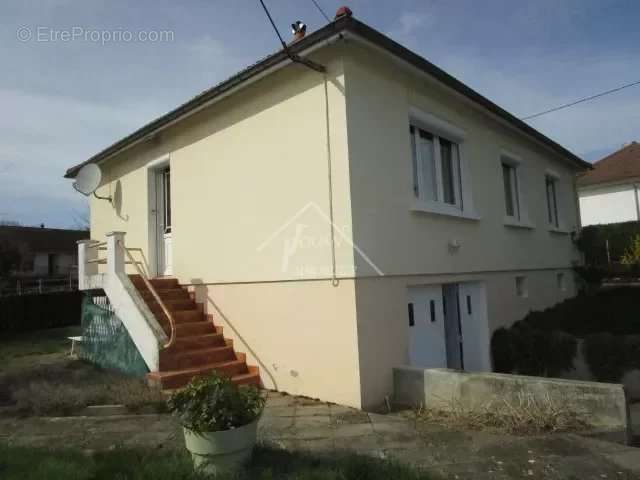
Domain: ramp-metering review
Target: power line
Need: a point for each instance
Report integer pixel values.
(321, 11)
(586, 99)
(264, 7)
(292, 56)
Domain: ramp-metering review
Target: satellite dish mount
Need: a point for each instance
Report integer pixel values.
(88, 180)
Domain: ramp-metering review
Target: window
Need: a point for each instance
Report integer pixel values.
(561, 282)
(551, 184)
(436, 168)
(521, 286)
(511, 194)
(166, 187)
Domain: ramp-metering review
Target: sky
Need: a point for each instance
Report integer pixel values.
(77, 75)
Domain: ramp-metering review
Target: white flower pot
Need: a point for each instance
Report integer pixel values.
(224, 451)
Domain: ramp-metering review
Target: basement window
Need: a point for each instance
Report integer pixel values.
(521, 286)
(561, 281)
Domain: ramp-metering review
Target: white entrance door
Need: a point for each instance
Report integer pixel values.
(474, 326)
(163, 222)
(426, 327)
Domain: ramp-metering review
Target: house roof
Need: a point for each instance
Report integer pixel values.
(619, 166)
(341, 25)
(42, 240)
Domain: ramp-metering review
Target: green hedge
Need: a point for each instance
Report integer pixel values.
(612, 310)
(544, 343)
(25, 313)
(609, 356)
(592, 241)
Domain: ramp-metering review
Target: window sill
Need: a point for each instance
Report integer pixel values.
(559, 230)
(444, 210)
(512, 222)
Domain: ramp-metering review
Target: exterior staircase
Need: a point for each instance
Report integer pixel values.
(199, 346)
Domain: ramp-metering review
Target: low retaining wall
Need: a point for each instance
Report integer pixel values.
(603, 405)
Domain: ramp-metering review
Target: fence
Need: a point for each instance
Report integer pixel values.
(29, 286)
(106, 341)
(25, 313)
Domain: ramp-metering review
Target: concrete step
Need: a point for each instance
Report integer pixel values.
(195, 358)
(194, 328)
(179, 378)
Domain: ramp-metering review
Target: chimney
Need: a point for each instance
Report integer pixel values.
(299, 30)
(343, 12)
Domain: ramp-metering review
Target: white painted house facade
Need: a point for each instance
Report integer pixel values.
(610, 192)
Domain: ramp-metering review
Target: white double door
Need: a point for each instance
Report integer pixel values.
(448, 327)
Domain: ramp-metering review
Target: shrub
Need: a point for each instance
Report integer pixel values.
(610, 356)
(503, 351)
(528, 350)
(214, 403)
(591, 274)
(593, 240)
(631, 255)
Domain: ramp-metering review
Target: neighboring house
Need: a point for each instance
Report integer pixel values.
(609, 192)
(44, 252)
(336, 224)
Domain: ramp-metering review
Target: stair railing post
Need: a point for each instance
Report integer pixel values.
(86, 269)
(115, 254)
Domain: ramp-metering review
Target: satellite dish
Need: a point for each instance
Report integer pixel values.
(88, 180)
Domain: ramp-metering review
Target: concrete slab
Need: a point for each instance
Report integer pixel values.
(439, 450)
(353, 430)
(629, 460)
(312, 410)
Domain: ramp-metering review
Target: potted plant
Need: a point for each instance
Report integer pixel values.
(219, 420)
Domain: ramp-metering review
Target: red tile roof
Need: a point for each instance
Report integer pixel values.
(621, 165)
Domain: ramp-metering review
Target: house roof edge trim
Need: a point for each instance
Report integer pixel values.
(315, 39)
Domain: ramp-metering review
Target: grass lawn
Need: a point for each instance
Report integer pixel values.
(19, 463)
(39, 378)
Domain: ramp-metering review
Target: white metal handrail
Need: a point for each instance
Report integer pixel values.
(148, 284)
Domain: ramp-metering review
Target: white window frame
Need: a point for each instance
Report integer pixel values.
(512, 168)
(520, 218)
(555, 223)
(440, 129)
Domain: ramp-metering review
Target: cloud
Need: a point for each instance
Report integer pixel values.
(408, 25)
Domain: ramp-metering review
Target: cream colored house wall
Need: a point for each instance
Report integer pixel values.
(302, 335)
(252, 220)
(412, 248)
(250, 213)
(383, 332)
(379, 95)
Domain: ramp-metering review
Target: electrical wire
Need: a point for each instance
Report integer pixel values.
(321, 11)
(264, 7)
(586, 99)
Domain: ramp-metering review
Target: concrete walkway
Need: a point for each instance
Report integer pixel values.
(301, 424)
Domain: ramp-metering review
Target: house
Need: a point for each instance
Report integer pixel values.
(43, 252)
(609, 192)
(333, 219)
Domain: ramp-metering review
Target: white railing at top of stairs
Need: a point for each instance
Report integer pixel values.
(141, 324)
